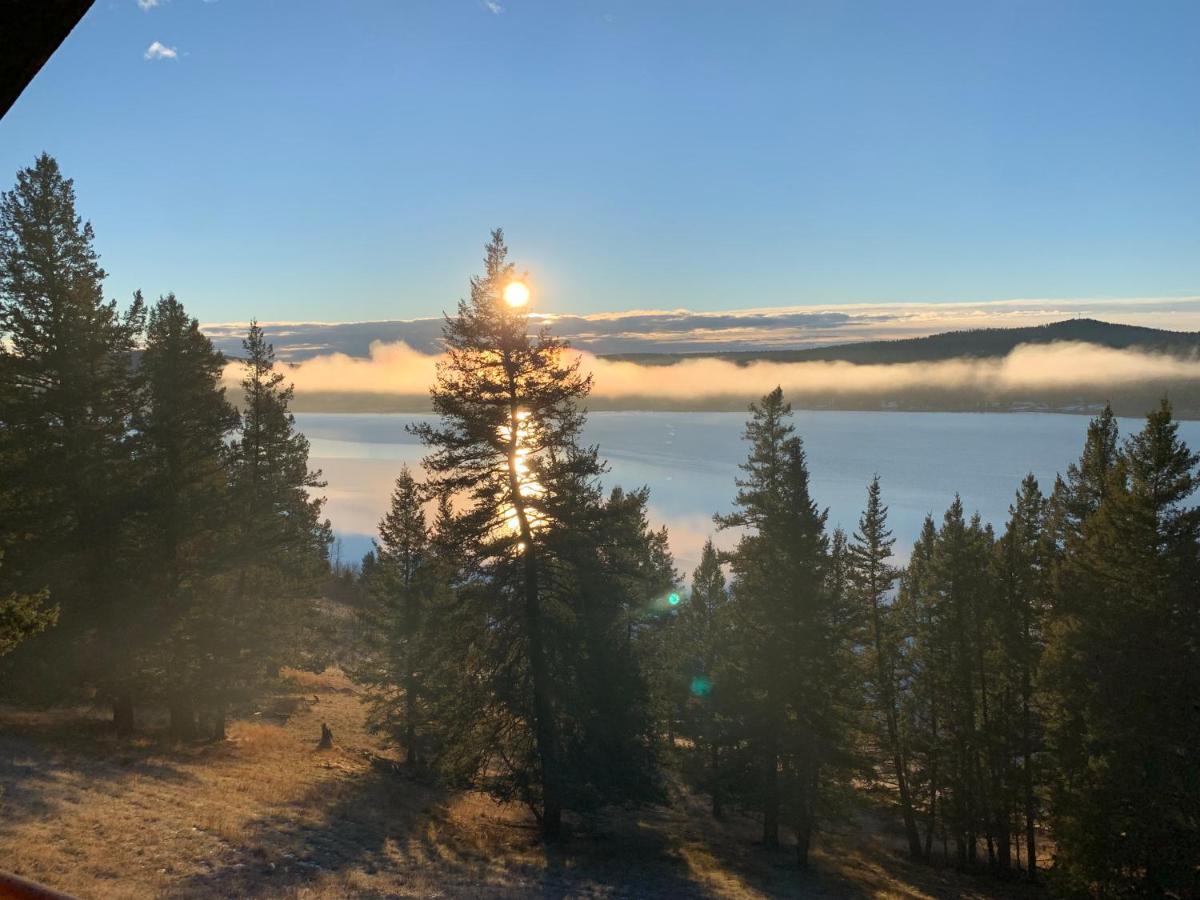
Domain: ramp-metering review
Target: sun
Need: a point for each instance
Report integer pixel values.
(516, 294)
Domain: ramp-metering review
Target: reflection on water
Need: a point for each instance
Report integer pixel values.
(689, 461)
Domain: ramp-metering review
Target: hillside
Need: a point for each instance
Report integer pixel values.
(266, 814)
(977, 344)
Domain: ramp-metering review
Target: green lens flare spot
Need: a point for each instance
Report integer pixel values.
(673, 599)
(701, 686)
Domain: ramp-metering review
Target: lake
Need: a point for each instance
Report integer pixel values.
(689, 461)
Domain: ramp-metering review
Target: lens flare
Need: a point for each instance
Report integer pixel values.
(673, 599)
(701, 686)
(516, 294)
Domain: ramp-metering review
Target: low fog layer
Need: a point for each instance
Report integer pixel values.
(1029, 372)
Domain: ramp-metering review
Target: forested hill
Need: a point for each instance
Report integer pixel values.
(976, 343)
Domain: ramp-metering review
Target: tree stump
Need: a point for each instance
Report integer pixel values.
(326, 738)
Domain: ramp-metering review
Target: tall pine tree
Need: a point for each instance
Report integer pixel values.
(1123, 667)
(794, 632)
(702, 642)
(183, 426)
(400, 587)
(280, 540)
(872, 577)
(67, 393)
(545, 586)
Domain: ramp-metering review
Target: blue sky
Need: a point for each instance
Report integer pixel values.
(336, 161)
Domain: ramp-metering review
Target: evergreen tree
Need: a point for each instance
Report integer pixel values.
(544, 581)
(67, 393)
(921, 703)
(947, 604)
(183, 426)
(872, 577)
(613, 574)
(1088, 480)
(702, 640)
(280, 541)
(1123, 668)
(961, 603)
(793, 632)
(399, 583)
(1020, 571)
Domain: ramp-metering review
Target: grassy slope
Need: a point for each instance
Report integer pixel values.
(266, 814)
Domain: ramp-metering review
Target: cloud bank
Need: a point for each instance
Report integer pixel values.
(397, 369)
(685, 331)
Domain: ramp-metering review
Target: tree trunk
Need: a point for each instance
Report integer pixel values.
(545, 726)
(1004, 844)
(770, 775)
(122, 707)
(933, 783)
(906, 805)
(803, 842)
(1027, 754)
(884, 673)
(932, 821)
(218, 727)
(182, 710)
(717, 810)
(807, 819)
(412, 756)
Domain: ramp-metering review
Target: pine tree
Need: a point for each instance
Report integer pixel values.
(922, 702)
(947, 604)
(1020, 567)
(1123, 667)
(702, 641)
(183, 426)
(67, 392)
(794, 632)
(280, 541)
(962, 604)
(1087, 481)
(872, 577)
(613, 575)
(399, 586)
(508, 445)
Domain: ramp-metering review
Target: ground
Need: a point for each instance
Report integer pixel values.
(267, 814)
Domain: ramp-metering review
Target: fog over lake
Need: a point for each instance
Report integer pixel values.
(689, 461)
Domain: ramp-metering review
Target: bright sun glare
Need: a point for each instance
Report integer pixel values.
(516, 293)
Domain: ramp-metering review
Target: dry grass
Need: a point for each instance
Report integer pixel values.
(266, 814)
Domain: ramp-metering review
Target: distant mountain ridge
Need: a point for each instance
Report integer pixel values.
(975, 344)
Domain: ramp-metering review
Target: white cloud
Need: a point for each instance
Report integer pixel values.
(159, 50)
(490, 5)
(147, 5)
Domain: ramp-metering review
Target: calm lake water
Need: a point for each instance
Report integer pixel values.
(689, 461)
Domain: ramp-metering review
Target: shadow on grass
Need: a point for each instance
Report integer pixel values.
(40, 751)
(386, 831)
